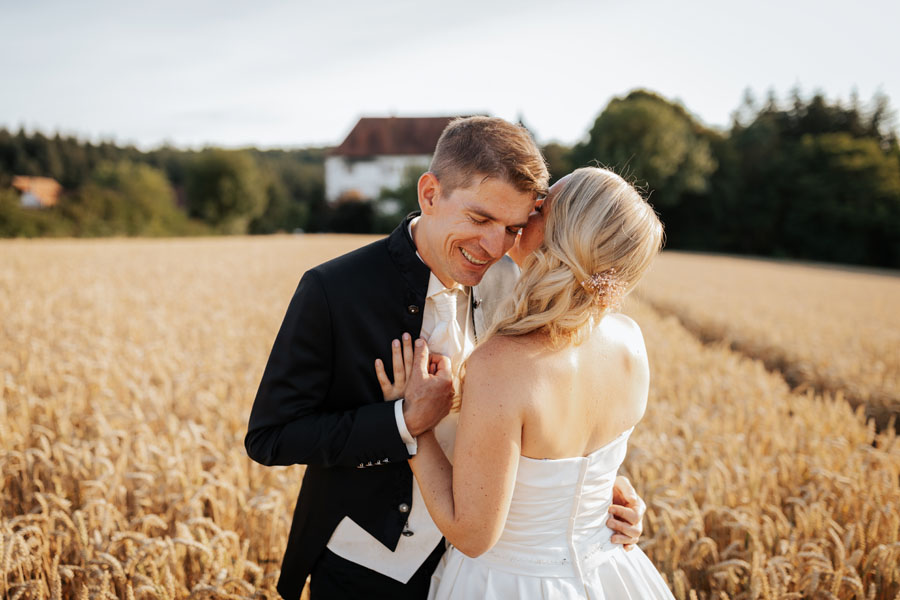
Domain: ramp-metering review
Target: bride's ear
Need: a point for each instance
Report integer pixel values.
(429, 190)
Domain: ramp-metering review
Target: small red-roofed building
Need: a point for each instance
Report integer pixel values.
(37, 192)
(378, 153)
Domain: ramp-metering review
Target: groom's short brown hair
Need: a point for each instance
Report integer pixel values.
(489, 147)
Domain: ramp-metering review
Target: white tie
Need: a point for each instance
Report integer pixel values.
(447, 337)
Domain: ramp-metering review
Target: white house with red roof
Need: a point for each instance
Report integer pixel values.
(37, 192)
(378, 153)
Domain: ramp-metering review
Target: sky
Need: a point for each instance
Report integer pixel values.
(233, 73)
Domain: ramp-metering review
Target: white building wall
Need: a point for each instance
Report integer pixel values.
(29, 200)
(366, 177)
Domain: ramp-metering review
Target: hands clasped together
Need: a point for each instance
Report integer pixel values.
(425, 382)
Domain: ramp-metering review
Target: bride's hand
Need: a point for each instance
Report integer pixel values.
(402, 357)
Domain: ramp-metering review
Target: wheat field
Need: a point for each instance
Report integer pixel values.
(128, 368)
(830, 329)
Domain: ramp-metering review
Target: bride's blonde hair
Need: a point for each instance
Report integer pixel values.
(599, 239)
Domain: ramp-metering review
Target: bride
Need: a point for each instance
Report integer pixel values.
(548, 403)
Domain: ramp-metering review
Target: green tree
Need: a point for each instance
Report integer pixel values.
(16, 221)
(145, 203)
(97, 211)
(815, 179)
(295, 191)
(225, 188)
(648, 138)
(559, 160)
(846, 202)
(282, 213)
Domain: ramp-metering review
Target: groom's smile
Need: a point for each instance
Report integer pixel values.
(472, 259)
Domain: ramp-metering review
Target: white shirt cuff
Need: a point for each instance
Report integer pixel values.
(411, 445)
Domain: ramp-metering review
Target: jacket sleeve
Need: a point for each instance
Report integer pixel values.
(289, 423)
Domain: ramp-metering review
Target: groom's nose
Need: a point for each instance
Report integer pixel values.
(494, 242)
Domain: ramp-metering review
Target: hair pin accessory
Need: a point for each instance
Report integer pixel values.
(606, 288)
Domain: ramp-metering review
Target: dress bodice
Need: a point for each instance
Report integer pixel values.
(557, 517)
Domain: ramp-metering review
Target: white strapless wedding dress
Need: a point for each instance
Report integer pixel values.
(555, 543)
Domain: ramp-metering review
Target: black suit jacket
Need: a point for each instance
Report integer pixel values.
(319, 402)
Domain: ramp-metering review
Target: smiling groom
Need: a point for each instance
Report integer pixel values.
(360, 527)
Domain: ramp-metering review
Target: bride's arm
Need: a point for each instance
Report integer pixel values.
(469, 500)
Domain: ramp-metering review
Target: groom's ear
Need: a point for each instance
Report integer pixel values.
(429, 190)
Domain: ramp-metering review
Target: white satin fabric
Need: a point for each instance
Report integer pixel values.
(555, 543)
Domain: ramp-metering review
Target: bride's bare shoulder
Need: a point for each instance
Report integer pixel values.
(500, 348)
(504, 357)
(624, 321)
(622, 336)
(626, 331)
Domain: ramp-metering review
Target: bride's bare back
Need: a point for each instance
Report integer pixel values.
(575, 399)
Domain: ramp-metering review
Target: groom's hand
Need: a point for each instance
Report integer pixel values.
(429, 392)
(626, 514)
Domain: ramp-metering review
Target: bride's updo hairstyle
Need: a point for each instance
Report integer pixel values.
(600, 237)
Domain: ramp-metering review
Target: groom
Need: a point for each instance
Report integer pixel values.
(360, 527)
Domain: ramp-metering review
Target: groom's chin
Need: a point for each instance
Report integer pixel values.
(470, 274)
(470, 277)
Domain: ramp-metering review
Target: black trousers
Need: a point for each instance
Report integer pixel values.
(336, 578)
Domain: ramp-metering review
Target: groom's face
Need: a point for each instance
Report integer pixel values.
(472, 227)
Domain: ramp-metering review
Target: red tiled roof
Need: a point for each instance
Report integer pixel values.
(45, 189)
(378, 136)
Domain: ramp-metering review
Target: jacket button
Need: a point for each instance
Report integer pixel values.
(412, 309)
(407, 533)
(404, 508)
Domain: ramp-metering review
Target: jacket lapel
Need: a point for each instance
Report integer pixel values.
(402, 251)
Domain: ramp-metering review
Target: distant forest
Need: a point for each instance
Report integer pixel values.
(799, 177)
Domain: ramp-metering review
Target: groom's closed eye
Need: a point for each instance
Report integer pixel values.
(484, 218)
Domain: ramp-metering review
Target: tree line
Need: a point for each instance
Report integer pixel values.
(803, 177)
(807, 179)
(116, 190)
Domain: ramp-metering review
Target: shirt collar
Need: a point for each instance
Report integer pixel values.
(436, 287)
(409, 227)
